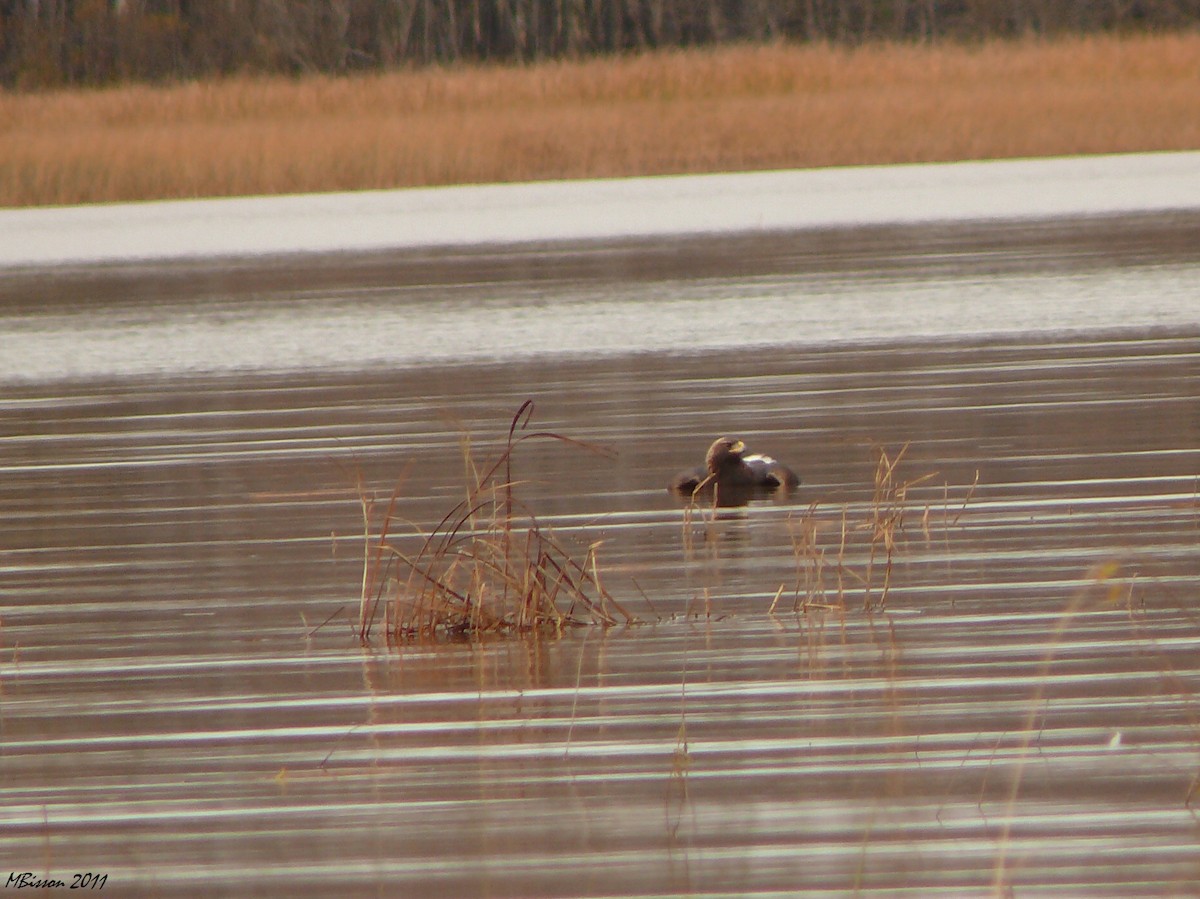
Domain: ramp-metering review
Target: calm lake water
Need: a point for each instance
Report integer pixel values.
(186, 709)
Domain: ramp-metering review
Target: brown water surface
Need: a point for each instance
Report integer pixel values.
(185, 708)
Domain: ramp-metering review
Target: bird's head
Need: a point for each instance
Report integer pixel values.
(724, 451)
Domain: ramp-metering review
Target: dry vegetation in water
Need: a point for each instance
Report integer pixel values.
(851, 550)
(733, 108)
(487, 569)
(831, 560)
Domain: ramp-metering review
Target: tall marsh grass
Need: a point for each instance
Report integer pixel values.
(734, 108)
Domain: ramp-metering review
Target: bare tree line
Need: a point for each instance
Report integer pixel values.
(91, 42)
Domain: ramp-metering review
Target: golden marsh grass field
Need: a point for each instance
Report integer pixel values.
(733, 108)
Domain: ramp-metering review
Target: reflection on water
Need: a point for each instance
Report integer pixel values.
(743, 293)
(183, 705)
(367, 329)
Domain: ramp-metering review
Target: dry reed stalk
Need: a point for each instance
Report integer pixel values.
(373, 560)
(709, 513)
(732, 108)
(841, 561)
(487, 568)
(809, 555)
(1108, 584)
(888, 506)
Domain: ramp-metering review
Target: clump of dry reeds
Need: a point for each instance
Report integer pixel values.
(826, 569)
(820, 577)
(734, 108)
(488, 568)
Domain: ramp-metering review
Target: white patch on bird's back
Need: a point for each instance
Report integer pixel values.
(762, 466)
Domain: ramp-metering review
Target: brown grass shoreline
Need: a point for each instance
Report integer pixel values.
(734, 108)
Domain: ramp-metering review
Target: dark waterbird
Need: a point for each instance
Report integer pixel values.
(735, 475)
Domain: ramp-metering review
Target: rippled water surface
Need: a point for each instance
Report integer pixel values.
(184, 705)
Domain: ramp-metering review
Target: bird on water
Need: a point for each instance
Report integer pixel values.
(729, 469)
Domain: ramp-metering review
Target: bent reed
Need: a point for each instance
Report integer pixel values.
(742, 107)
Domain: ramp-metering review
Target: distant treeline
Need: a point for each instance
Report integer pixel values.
(90, 42)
